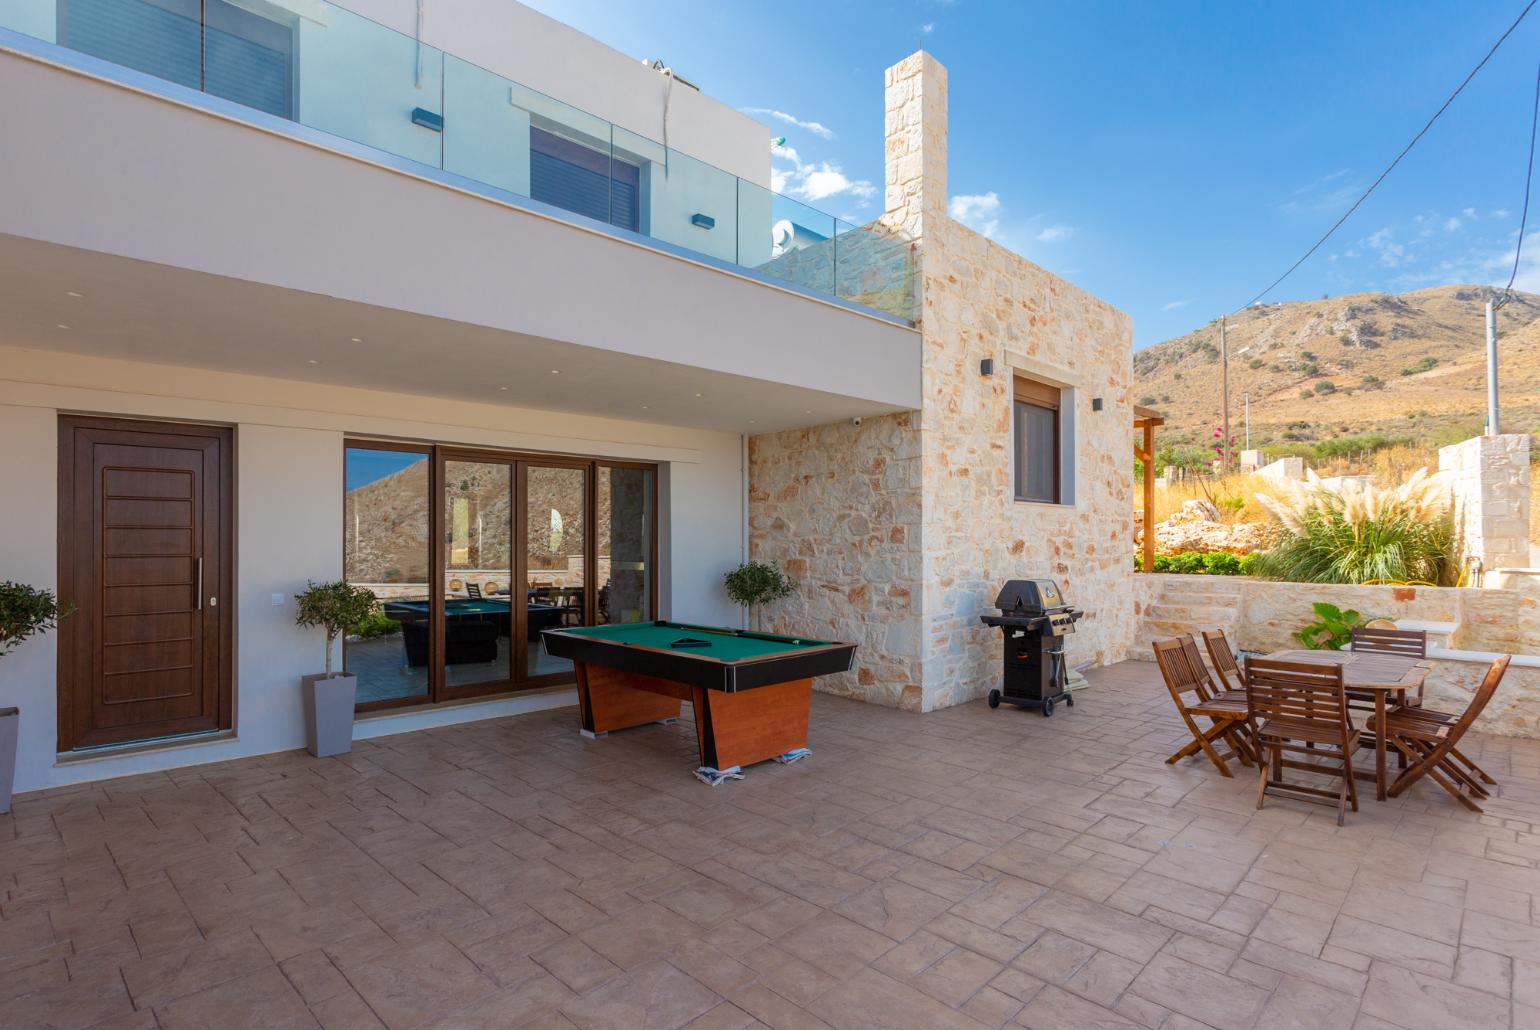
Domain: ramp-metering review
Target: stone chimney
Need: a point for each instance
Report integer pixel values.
(916, 142)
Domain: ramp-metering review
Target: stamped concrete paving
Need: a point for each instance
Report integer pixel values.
(960, 869)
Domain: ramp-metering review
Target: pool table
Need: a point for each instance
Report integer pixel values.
(750, 691)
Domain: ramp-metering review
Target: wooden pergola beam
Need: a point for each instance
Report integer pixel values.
(1146, 419)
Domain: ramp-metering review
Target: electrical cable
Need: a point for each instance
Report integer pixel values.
(1404, 151)
(1529, 171)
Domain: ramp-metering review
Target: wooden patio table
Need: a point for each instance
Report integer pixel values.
(1381, 674)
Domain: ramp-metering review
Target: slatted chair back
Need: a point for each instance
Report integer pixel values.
(1211, 686)
(1181, 679)
(1298, 693)
(1411, 643)
(1223, 657)
(473, 591)
(1478, 702)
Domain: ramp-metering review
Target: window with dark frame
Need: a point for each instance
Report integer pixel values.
(1035, 424)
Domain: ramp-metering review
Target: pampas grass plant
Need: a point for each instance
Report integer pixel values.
(1358, 532)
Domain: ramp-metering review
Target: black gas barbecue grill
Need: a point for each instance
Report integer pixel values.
(1034, 619)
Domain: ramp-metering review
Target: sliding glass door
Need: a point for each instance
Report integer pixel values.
(556, 560)
(387, 550)
(473, 554)
(478, 573)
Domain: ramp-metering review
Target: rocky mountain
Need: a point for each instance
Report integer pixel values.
(1411, 364)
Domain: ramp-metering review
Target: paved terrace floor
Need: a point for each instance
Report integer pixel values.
(961, 869)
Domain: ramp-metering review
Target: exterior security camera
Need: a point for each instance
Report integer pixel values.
(856, 421)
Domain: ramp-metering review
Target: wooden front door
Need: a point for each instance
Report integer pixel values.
(145, 541)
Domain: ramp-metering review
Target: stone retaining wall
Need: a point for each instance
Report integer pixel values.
(1263, 615)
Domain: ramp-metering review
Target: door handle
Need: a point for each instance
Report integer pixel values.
(200, 585)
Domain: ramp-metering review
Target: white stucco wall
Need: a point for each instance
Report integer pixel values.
(289, 452)
(210, 195)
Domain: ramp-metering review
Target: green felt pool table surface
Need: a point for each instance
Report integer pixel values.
(724, 644)
(456, 606)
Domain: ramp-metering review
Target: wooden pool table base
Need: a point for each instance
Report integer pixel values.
(731, 729)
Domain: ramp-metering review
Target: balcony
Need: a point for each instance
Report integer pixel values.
(329, 76)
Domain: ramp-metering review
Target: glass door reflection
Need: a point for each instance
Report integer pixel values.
(478, 573)
(623, 512)
(555, 524)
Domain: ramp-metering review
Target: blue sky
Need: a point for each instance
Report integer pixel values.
(1171, 157)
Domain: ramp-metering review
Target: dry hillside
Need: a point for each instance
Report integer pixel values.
(1411, 365)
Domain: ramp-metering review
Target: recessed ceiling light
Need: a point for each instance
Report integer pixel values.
(313, 361)
(74, 293)
(697, 395)
(555, 371)
(63, 326)
(503, 388)
(809, 411)
(644, 407)
(358, 339)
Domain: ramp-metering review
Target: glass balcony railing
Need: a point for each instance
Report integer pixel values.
(336, 72)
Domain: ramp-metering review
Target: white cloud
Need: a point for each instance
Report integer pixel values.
(1383, 243)
(1055, 232)
(928, 27)
(1451, 224)
(1172, 305)
(1501, 212)
(1469, 212)
(816, 180)
(816, 128)
(979, 212)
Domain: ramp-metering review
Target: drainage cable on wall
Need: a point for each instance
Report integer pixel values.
(668, 93)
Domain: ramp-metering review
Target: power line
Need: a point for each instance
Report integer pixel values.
(1529, 171)
(1404, 151)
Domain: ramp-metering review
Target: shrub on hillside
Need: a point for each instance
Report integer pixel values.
(1422, 365)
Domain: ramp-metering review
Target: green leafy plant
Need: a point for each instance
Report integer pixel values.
(756, 583)
(1213, 563)
(375, 624)
(1221, 563)
(1332, 629)
(334, 607)
(1359, 533)
(25, 611)
(1421, 365)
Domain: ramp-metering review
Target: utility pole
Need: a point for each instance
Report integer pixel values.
(1493, 428)
(1248, 420)
(1224, 442)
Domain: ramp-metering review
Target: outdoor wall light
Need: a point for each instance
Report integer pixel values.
(1096, 404)
(987, 367)
(427, 119)
(704, 221)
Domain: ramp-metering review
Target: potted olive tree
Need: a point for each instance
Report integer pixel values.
(24, 611)
(755, 584)
(330, 696)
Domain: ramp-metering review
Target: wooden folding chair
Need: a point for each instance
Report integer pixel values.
(1225, 666)
(1408, 643)
(1429, 745)
(1218, 689)
(1228, 717)
(1301, 708)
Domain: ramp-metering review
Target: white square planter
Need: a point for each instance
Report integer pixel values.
(10, 721)
(329, 713)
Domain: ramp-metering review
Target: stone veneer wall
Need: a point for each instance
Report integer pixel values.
(838, 508)
(1489, 477)
(980, 300)
(902, 530)
(1262, 615)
